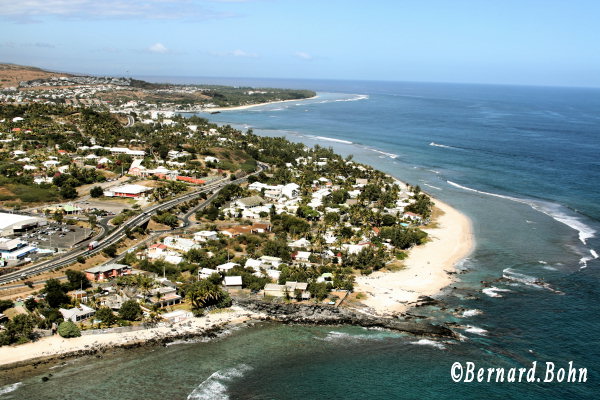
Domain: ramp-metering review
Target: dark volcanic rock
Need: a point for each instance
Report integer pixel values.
(329, 315)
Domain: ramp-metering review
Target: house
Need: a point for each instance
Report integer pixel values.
(211, 159)
(413, 217)
(78, 313)
(300, 243)
(177, 316)
(112, 301)
(182, 244)
(232, 282)
(80, 295)
(227, 266)
(206, 272)
(204, 236)
(100, 273)
(270, 260)
(164, 296)
(131, 191)
(301, 256)
(136, 168)
(244, 229)
(294, 288)
(253, 263)
(248, 202)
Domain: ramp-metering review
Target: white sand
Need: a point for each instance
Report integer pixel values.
(56, 345)
(236, 108)
(427, 266)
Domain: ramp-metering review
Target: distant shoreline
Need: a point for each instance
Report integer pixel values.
(247, 106)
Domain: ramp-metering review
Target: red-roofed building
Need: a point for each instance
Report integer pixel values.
(191, 180)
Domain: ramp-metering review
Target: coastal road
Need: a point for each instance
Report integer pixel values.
(118, 233)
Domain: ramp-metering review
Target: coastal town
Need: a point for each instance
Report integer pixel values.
(159, 218)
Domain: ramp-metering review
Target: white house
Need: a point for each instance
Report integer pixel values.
(204, 236)
(227, 266)
(232, 282)
(78, 313)
(178, 243)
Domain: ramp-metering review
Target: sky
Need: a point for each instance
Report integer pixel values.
(526, 42)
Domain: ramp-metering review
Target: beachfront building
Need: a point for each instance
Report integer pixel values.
(164, 296)
(232, 282)
(77, 314)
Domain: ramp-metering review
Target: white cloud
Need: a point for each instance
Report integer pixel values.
(235, 53)
(303, 55)
(29, 10)
(158, 48)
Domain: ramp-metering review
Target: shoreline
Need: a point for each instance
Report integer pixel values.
(247, 106)
(52, 348)
(427, 270)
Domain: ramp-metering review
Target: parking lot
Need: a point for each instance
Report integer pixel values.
(56, 236)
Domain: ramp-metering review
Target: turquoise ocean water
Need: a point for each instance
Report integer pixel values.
(522, 162)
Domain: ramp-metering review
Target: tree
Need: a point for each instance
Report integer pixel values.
(204, 293)
(96, 191)
(19, 329)
(110, 251)
(77, 279)
(68, 329)
(130, 310)
(5, 305)
(55, 293)
(30, 304)
(106, 316)
(68, 192)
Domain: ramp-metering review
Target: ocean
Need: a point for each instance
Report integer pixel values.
(521, 162)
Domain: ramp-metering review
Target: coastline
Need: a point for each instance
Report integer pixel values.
(427, 270)
(247, 106)
(54, 347)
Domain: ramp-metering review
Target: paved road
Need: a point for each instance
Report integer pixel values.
(117, 234)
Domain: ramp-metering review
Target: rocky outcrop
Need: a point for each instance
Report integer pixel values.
(329, 315)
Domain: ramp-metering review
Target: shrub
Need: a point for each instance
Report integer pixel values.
(68, 329)
(130, 310)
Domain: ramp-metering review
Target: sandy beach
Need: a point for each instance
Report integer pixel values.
(237, 108)
(53, 346)
(426, 268)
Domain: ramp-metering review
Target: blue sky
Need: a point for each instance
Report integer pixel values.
(508, 42)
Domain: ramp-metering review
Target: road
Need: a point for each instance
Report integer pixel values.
(117, 234)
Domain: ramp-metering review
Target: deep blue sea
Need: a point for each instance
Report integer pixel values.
(522, 162)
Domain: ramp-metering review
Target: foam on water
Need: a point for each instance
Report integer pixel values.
(493, 291)
(334, 336)
(471, 313)
(476, 330)
(431, 186)
(215, 386)
(9, 388)
(441, 145)
(328, 139)
(429, 342)
(554, 211)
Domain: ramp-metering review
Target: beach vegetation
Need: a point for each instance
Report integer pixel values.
(130, 310)
(68, 329)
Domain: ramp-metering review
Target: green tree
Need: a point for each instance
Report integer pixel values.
(77, 280)
(204, 293)
(19, 329)
(68, 329)
(5, 305)
(68, 192)
(106, 316)
(31, 304)
(96, 191)
(130, 310)
(55, 293)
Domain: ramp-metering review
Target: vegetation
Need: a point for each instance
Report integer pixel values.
(68, 329)
(130, 310)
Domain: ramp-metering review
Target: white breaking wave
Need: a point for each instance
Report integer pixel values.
(551, 210)
(431, 186)
(328, 139)
(356, 98)
(532, 281)
(434, 144)
(476, 330)
(471, 313)
(493, 291)
(429, 342)
(215, 386)
(390, 155)
(584, 260)
(334, 336)
(10, 388)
